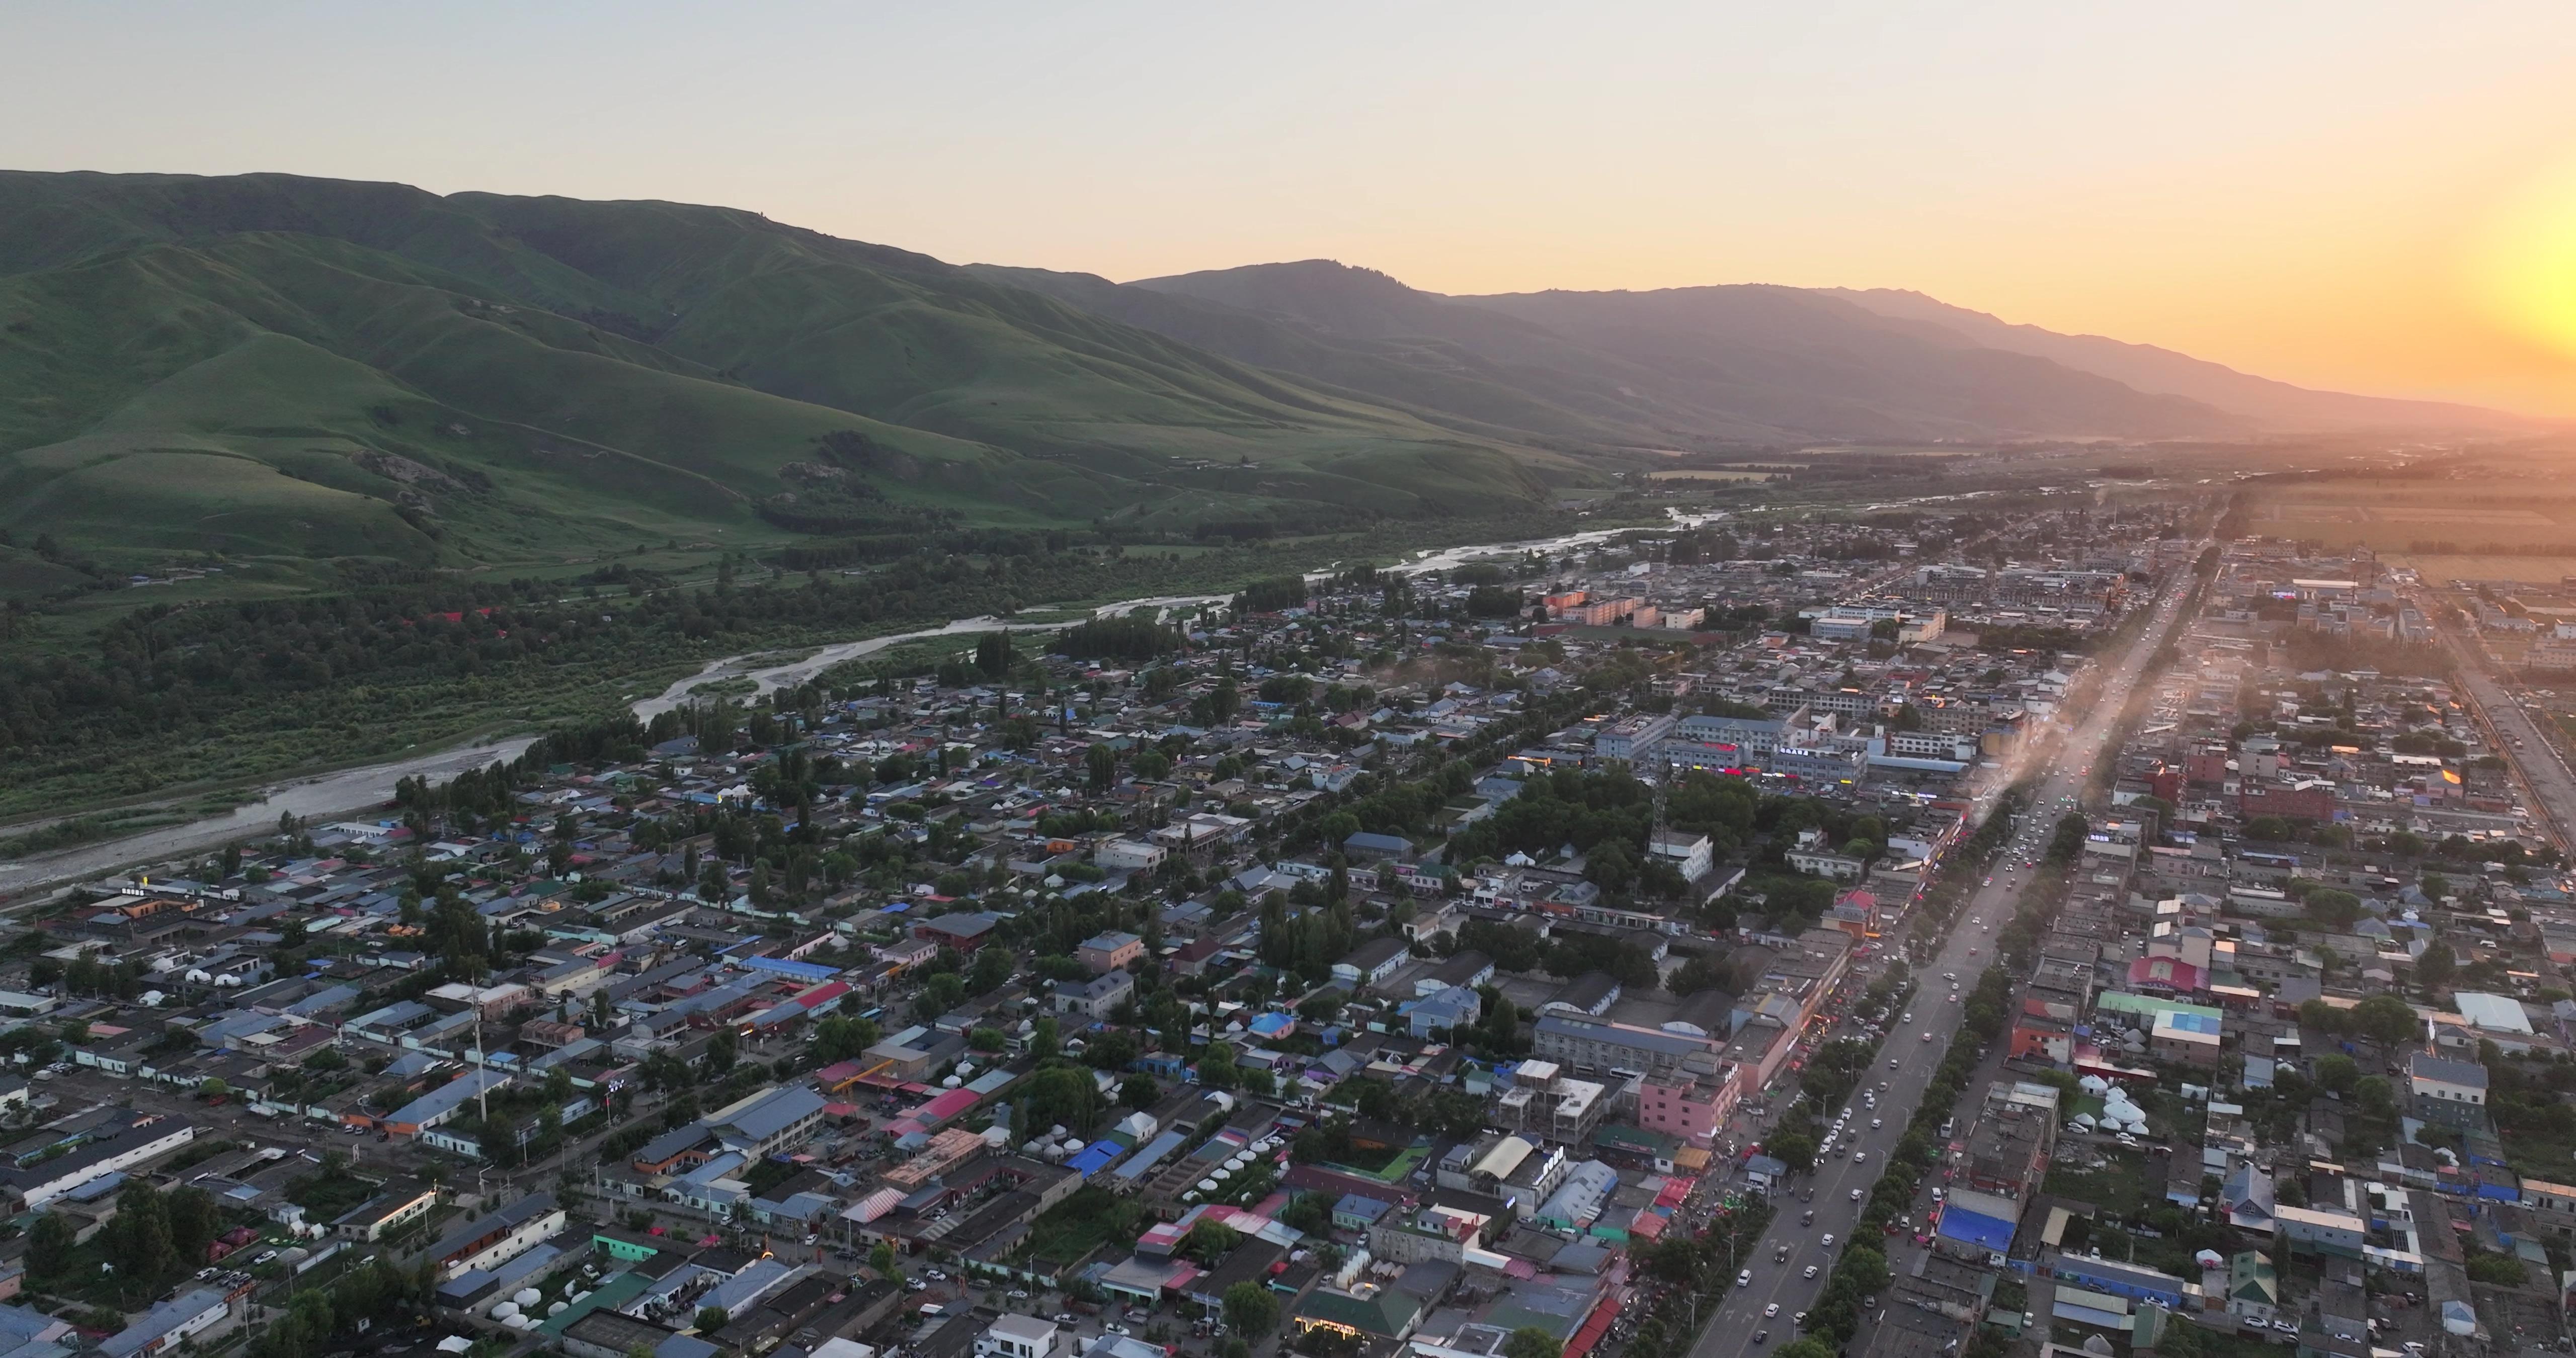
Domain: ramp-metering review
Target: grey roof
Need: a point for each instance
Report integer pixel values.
(150, 1327)
(1642, 1039)
(776, 1112)
(504, 1219)
(1373, 954)
(2426, 1066)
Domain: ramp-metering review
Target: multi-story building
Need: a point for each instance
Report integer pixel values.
(1598, 1045)
(1691, 1101)
(1632, 736)
(2453, 1093)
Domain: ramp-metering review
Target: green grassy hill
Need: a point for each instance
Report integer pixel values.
(284, 367)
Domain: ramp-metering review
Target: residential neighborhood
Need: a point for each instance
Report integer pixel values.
(1497, 960)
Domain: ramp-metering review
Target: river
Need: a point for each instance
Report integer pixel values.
(353, 791)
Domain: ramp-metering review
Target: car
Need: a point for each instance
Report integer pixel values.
(1744, 1278)
(1895, 1063)
(2286, 1326)
(1855, 1195)
(1810, 1273)
(264, 1257)
(1019, 1294)
(1807, 1218)
(1761, 1336)
(1927, 1037)
(1826, 1241)
(1972, 952)
(1799, 1320)
(1973, 920)
(1771, 1310)
(1065, 1318)
(1909, 1017)
(1876, 1123)
(1990, 881)
(1858, 1156)
(934, 1273)
(916, 1285)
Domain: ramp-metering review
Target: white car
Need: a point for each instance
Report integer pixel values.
(1828, 1241)
(1744, 1279)
(1858, 1156)
(1810, 1273)
(1876, 1123)
(1771, 1310)
(1855, 1195)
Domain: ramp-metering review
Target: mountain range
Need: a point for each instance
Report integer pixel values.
(269, 365)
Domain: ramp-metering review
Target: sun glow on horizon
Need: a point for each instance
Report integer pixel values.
(2522, 266)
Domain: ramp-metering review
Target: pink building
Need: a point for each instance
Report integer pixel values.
(1691, 1103)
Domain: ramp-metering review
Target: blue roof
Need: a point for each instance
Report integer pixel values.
(1975, 1228)
(1094, 1158)
(2193, 1023)
(788, 966)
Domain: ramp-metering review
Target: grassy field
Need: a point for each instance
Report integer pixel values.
(2443, 528)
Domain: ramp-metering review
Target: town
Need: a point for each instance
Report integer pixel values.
(1904, 935)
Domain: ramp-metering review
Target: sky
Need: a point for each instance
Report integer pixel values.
(2369, 197)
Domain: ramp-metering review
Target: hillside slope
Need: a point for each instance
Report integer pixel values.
(1745, 364)
(2273, 404)
(269, 364)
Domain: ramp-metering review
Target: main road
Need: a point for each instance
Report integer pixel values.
(1906, 1064)
(2547, 781)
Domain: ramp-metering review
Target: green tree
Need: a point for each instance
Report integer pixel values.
(1797, 1150)
(49, 1246)
(1217, 1069)
(2374, 1095)
(1808, 1347)
(2386, 1020)
(1864, 1267)
(194, 1221)
(1251, 1312)
(1529, 1341)
(882, 1259)
(2433, 969)
(2338, 908)
(2337, 1073)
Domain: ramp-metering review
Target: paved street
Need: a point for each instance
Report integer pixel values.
(1741, 1327)
(2544, 771)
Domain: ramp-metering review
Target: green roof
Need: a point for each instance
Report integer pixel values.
(2122, 1002)
(1388, 1313)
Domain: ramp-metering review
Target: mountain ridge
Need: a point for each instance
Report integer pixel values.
(301, 368)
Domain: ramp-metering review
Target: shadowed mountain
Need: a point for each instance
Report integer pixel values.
(2277, 405)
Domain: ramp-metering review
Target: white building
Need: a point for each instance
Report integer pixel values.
(1690, 855)
(1130, 855)
(1017, 1336)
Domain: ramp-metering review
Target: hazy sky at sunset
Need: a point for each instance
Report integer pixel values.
(2376, 197)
